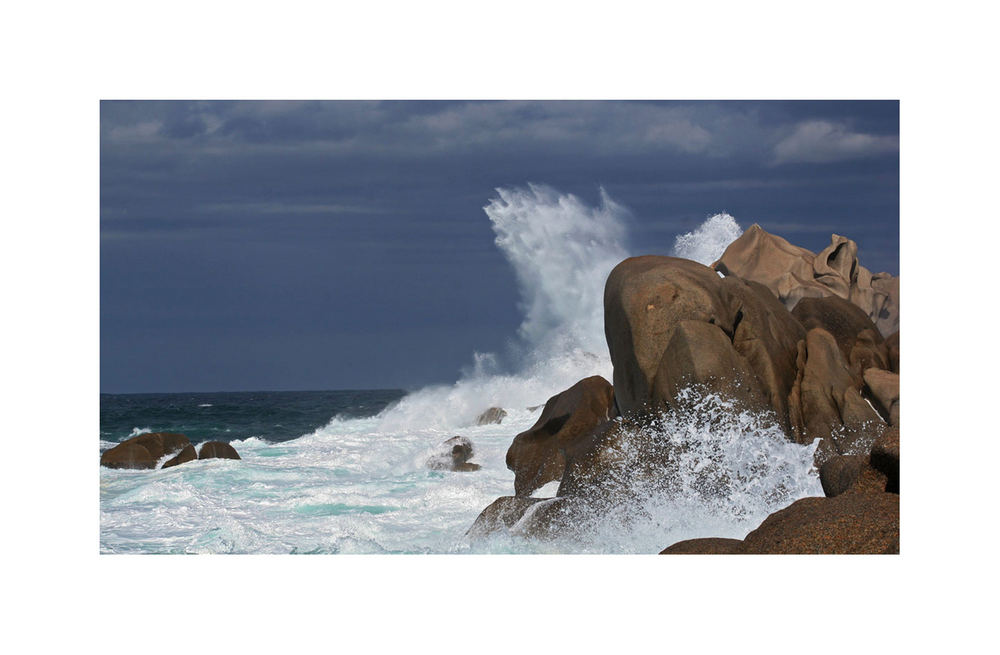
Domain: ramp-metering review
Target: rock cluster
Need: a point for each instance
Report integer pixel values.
(793, 273)
(809, 341)
(146, 450)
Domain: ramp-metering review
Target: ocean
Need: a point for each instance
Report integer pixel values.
(346, 471)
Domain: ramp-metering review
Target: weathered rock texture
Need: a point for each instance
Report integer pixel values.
(826, 401)
(671, 323)
(537, 455)
(848, 523)
(793, 273)
(853, 523)
(143, 451)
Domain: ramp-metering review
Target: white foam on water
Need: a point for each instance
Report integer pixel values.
(362, 485)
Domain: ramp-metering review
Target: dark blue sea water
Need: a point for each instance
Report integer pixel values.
(225, 416)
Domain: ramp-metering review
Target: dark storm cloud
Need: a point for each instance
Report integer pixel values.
(297, 230)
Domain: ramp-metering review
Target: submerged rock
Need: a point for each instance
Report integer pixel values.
(144, 450)
(500, 515)
(537, 455)
(454, 456)
(492, 415)
(534, 518)
(217, 449)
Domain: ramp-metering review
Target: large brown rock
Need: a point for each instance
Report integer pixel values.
(144, 450)
(217, 449)
(767, 336)
(785, 269)
(537, 455)
(188, 454)
(128, 456)
(865, 523)
(793, 273)
(644, 300)
(701, 354)
(705, 546)
(667, 321)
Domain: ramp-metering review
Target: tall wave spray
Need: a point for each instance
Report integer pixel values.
(561, 250)
(706, 244)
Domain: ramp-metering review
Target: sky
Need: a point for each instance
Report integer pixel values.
(280, 245)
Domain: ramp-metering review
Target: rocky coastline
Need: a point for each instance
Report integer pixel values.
(808, 342)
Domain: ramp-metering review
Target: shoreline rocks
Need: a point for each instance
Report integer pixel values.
(146, 450)
(143, 451)
(806, 342)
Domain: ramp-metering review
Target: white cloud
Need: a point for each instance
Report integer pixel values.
(136, 132)
(282, 208)
(820, 142)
